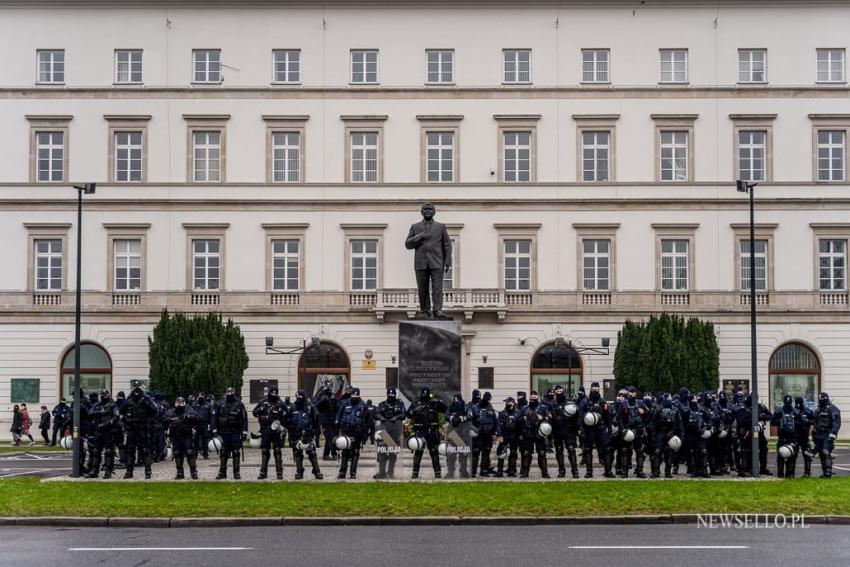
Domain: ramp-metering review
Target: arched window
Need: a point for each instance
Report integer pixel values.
(328, 362)
(793, 370)
(95, 370)
(556, 363)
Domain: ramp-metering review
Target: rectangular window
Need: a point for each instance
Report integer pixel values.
(674, 265)
(364, 157)
(440, 66)
(595, 147)
(517, 262)
(517, 157)
(206, 258)
(832, 264)
(760, 263)
(286, 157)
(50, 156)
(51, 66)
(128, 156)
(830, 65)
(286, 65)
(207, 65)
(594, 65)
(674, 65)
(128, 264)
(751, 154)
(674, 155)
(440, 156)
(364, 67)
(830, 155)
(206, 155)
(596, 264)
(364, 265)
(517, 65)
(286, 261)
(752, 66)
(48, 265)
(128, 66)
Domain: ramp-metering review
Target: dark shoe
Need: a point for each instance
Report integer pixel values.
(641, 475)
(261, 476)
(128, 474)
(340, 476)
(107, 475)
(299, 475)
(318, 475)
(668, 475)
(147, 476)
(437, 474)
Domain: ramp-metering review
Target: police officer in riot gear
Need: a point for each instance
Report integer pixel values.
(455, 416)
(103, 417)
(351, 421)
(788, 423)
(596, 430)
(695, 440)
(303, 427)
(390, 411)
(136, 416)
(271, 414)
(531, 416)
(231, 422)
(507, 433)
(181, 422)
(328, 406)
(666, 423)
(826, 426)
(423, 414)
(807, 420)
(61, 414)
(636, 410)
(722, 454)
(204, 410)
(484, 418)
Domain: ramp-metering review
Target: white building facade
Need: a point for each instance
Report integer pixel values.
(265, 160)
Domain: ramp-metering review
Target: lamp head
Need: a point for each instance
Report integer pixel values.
(87, 188)
(269, 341)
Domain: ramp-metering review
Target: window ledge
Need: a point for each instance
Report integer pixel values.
(286, 84)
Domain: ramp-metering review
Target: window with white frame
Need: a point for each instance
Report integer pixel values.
(364, 157)
(364, 265)
(830, 155)
(286, 260)
(51, 66)
(286, 157)
(50, 156)
(674, 265)
(440, 156)
(830, 66)
(674, 155)
(128, 156)
(207, 65)
(760, 264)
(595, 152)
(596, 264)
(364, 67)
(206, 156)
(517, 157)
(206, 264)
(517, 65)
(128, 66)
(832, 264)
(440, 66)
(128, 264)
(48, 265)
(752, 65)
(286, 65)
(517, 264)
(594, 65)
(674, 65)
(751, 154)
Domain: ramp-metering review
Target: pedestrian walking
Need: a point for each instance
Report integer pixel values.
(44, 425)
(16, 428)
(26, 423)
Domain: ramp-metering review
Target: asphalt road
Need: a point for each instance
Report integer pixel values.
(474, 546)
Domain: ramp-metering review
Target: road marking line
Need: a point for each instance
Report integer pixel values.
(9, 475)
(659, 547)
(160, 548)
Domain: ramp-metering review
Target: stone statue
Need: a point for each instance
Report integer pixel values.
(432, 259)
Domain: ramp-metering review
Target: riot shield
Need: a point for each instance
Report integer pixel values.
(389, 442)
(457, 448)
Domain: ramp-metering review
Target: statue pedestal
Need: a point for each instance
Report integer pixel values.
(429, 355)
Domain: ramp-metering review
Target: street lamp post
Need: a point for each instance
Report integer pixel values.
(88, 189)
(745, 187)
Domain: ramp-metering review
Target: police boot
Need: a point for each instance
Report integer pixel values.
(500, 468)
(588, 463)
(109, 465)
(355, 458)
(236, 464)
(543, 464)
(791, 467)
(148, 466)
(475, 458)
(524, 465)
(667, 468)
(193, 466)
(343, 465)
(826, 465)
(382, 468)
(94, 467)
(417, 461)
(299, 467)
(265, 455)
(486, 463)
(639, 460)
(623, 464)
(571, 456)
(178, 462)
(435, 463)
(608, 472)
(512, 465)
(464, 469)
(655, 466)
(703, 465)
(780, 466)
(222, 464)
(128, 472)
(559, 458)
(391, 466)
(314, 460)
(278, 464)
(807, 466)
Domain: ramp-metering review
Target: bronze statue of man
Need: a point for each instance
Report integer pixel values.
(432, 259)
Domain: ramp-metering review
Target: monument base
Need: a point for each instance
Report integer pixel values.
(429, 355)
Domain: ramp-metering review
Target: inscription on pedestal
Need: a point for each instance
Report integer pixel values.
(429, 356)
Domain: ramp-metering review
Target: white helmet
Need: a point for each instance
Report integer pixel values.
(545, 428)
(275, 425)
(169, 453)
(592, 418)
(473, 432)
(758, 427)
(215, 444)
(255, 441)
(706, 433)
(443, 448)
(67, 442)
(722, 433)
(570, 409)
(628, 435)
(675, 443)
(614, 428)
(787, 451)
(416, 444)
(343, 442)
(503, 454)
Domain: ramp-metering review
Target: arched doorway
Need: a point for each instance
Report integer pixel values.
(793, 370)
(556, 363)
(327, 362)
(95, 370)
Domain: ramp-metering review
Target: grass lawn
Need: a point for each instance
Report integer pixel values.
(29, 497)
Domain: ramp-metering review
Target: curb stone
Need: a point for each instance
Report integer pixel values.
(684, 518)
(130, 522)
(836, 520)
(7, 520)
(421, 520)
(65, 521)
(824, 519)
(225, 522)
